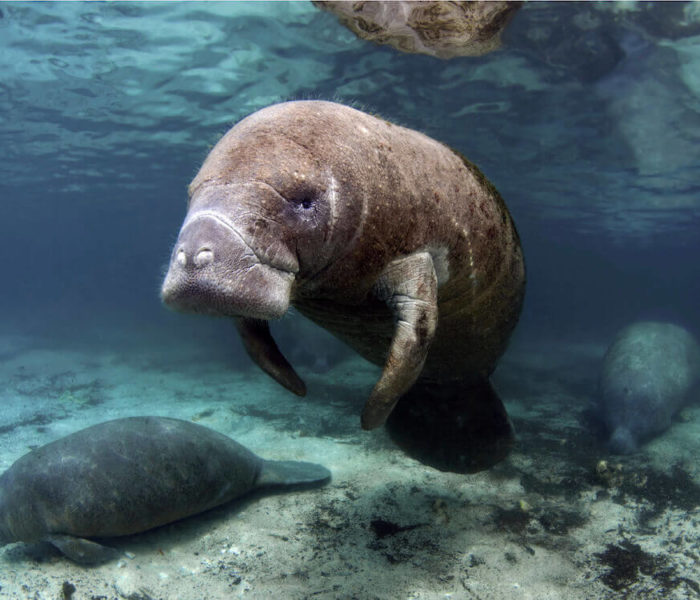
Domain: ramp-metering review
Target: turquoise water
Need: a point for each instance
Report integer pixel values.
(587, 120)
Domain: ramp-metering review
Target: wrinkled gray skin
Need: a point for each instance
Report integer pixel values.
(126, 476)
(648, 373)
(390, 240)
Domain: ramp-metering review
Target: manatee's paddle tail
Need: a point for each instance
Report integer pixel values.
(452, 427)
(292, 472)
(261, 347)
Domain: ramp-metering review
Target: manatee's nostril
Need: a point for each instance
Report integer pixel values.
(204, 257)
(181, 257)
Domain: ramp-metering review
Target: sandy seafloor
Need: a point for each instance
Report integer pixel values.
(549, 522)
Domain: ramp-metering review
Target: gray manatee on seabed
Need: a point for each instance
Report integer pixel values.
(390, 240)
(127, 476)
(648, 373)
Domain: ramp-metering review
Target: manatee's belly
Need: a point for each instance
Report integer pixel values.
(123, 477)
(472, 332)
(367, 328)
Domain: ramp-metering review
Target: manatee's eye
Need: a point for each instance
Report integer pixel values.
(304, 201)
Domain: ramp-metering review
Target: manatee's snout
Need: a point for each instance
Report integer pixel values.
(214, 270)
(197, 246)
(204, 241)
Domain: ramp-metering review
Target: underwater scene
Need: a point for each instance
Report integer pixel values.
(349, 300)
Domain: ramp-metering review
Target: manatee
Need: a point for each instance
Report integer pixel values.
(441, 29)
(647, 375)
(127, 476)
(393, 242)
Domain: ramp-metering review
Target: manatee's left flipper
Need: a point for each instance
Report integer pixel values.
(83, 551)
(261, 347)
(409, 287)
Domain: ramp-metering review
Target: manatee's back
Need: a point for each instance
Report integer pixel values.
(122, 477)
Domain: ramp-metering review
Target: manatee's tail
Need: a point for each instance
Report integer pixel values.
(452, 427)
(292, 472)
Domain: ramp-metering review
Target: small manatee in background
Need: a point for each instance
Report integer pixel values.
(647, 375)
(440, 29)
(127, 476)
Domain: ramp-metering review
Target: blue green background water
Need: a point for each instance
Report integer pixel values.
(588, 127)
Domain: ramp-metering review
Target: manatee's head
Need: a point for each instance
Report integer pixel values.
(230, 261)
(262, 218)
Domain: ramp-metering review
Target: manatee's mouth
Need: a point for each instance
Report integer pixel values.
(259, 292)
(206, 297)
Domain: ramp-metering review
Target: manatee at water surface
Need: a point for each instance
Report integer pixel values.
(130, 475)
(442, 29)
(385, 237)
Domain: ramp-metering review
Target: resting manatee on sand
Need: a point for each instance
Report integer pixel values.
(385, 237)
(130, 475)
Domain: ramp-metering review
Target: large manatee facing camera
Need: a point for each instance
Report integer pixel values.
(385, 237)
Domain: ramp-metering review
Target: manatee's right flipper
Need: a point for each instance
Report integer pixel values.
(408, 285)
(452, 427)
(261, 347)
(292, 472)
(82, 551)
